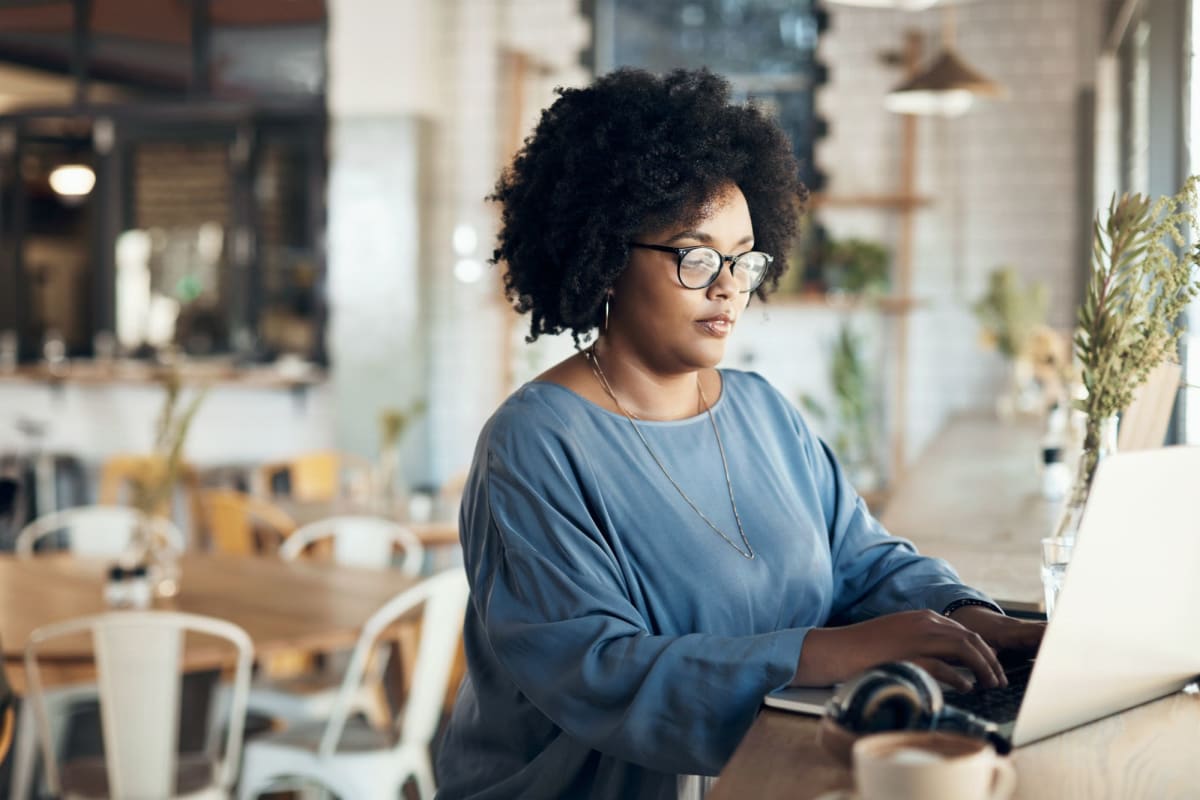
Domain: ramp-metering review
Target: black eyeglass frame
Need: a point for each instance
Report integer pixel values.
(681, 253)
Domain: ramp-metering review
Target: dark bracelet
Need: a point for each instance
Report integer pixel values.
(970, 601)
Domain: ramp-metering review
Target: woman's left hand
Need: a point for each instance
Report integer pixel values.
(999, 631)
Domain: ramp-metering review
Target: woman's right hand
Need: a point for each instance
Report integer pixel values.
(934, 642)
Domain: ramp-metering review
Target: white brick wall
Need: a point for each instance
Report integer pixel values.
(1003, 178)
(419, 104)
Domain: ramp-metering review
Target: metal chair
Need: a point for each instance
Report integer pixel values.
(232, 521)
(356, 541)
(359, 541)
(139, 658)
(350, 758)
(316, 476)
(97, 531)
(92, 531)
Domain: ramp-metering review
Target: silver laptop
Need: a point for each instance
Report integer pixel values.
(1125, 628)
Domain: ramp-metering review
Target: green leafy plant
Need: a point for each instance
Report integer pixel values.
(1144, 274)
(858, 266)
(1010, 312)
(393, 422)
(853, 409)
(851, 388)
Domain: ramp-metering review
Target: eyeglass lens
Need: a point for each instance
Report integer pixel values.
(698, 268)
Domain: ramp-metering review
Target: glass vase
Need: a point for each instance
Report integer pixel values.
(150, 548)
(1100, 441)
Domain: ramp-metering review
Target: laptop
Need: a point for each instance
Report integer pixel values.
(1125, 629)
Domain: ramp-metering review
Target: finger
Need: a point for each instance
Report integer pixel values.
(945, 673)
(970, 648)
(980, 657)
(1020, 635)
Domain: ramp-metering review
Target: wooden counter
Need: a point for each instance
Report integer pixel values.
(974, 499)
(1145, 752)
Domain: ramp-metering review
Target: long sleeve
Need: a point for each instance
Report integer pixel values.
(874, 572)
(618, 635)
(558, 617)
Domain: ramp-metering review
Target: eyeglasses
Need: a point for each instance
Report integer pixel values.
(699, 266)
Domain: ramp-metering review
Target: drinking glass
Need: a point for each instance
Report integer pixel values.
(1056, 554)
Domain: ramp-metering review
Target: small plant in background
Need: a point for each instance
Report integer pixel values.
(856, 266)
(153, 486)
(393, 422)
(854, 411)
(154, 483)
(1012, 317)
(1010, 312)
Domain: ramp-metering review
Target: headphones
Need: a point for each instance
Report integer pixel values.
(893, 697)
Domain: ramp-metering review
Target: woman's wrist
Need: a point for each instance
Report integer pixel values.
(828, 657)
(970, 602)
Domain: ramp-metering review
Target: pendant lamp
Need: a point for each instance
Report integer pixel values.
(947, 87)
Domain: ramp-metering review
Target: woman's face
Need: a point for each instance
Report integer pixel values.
(672, 329)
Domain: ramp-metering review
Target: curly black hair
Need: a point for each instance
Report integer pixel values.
(630, 152)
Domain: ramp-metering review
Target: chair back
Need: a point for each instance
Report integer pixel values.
(119, 474)
(360, 541)
(231, 518)
(443, 599)
(100, 531)
(318, 476)
(138, 658)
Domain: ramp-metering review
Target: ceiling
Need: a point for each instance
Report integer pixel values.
(146, 44)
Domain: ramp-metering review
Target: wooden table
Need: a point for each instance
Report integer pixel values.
(282, 606)
(974, 498)
(1146, 752)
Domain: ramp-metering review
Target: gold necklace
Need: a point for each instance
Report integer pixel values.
(748, 553)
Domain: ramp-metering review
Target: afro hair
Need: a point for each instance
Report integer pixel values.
(632, 152)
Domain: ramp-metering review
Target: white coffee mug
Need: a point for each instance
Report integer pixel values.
(930, 765)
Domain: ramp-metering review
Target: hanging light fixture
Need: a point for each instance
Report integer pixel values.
(947, 87)
(72, 181)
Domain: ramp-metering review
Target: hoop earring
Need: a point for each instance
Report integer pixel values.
(605, 328)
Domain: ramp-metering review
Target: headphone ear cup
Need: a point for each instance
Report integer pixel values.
(922, 682)
(895, 696)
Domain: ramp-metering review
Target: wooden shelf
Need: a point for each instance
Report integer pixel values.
(837, 301)
(895, 202)
(90, 373)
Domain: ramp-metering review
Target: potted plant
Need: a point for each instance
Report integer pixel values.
(393, 422)
(154, 483)
(1012, 318)
(856, 266)
(1144, 275)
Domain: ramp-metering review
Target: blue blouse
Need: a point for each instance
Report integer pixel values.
(614, 640)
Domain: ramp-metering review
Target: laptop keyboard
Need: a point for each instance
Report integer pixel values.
(999, 705)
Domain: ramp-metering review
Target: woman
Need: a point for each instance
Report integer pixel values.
(654, 544)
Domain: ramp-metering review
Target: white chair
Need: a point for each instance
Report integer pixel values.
(138, 664)
(359, 541)
(94, 530)
(347, 756)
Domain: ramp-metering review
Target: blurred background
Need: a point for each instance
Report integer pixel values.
(246, 307)
(283, 200)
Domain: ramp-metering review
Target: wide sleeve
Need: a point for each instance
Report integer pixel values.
(874, 573)
(558, 616)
